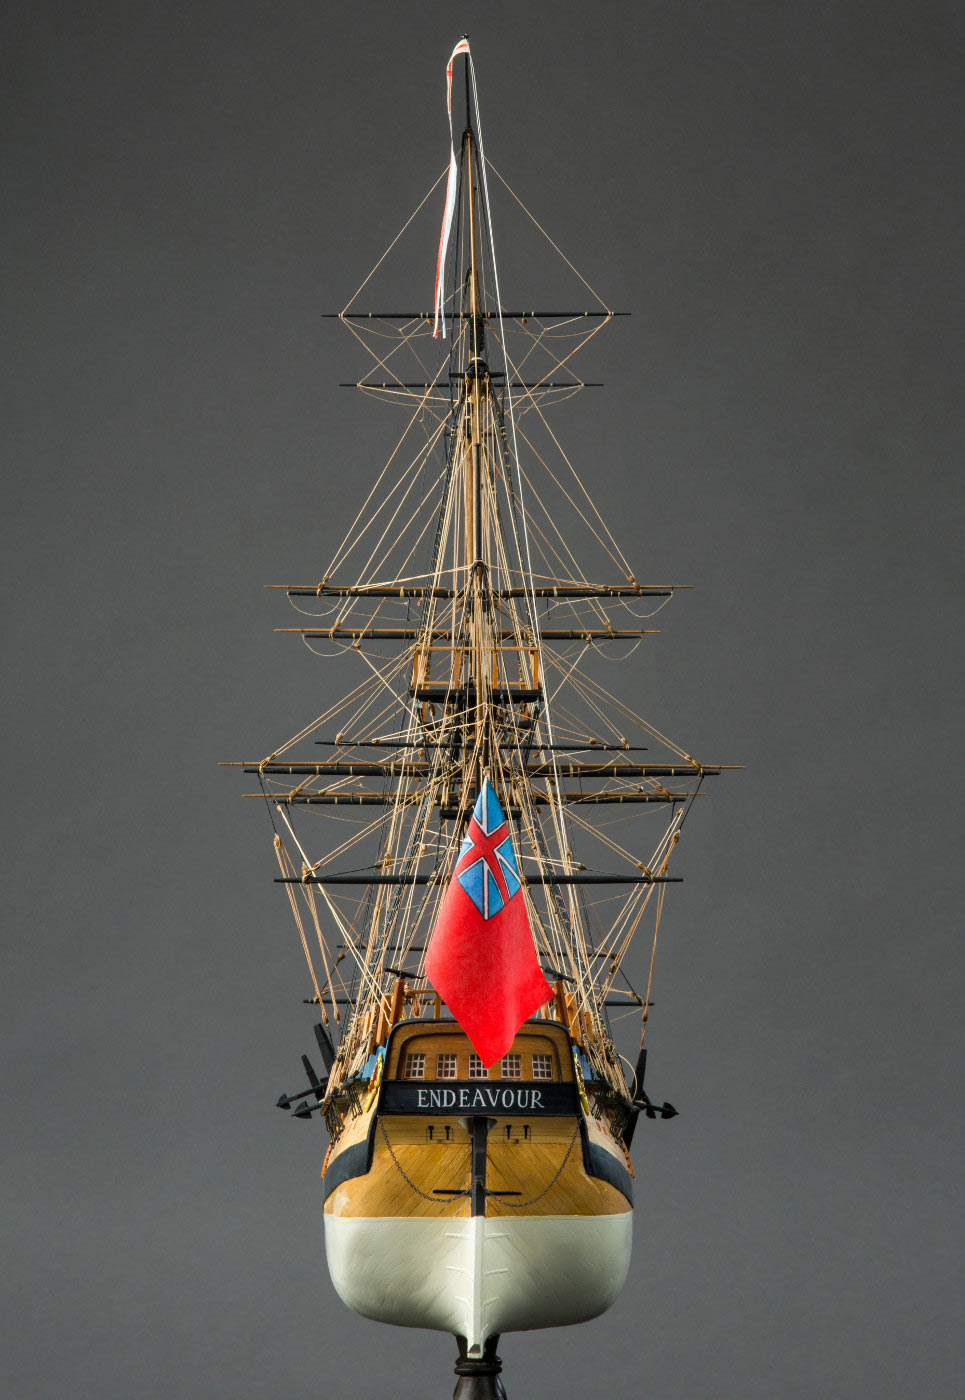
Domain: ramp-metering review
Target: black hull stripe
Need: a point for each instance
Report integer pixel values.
(354, 1161)
(600, 1164)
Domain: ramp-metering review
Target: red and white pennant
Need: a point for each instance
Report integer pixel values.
(451, 183)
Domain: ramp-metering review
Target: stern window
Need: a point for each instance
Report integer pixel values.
(542, 1066)
(511, 1067)
(445, 1067)
(477, 1070)
(414, 1066)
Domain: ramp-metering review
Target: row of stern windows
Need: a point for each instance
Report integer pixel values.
(447, 1066)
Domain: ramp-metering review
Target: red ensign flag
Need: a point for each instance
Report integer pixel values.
(481, 958)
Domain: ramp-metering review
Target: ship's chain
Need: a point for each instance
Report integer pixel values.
(514, 1205)
(518, 1205)
(401, 1170)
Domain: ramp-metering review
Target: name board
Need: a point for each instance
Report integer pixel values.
(468, 1097)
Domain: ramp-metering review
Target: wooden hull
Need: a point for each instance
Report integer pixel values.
(414, 1237)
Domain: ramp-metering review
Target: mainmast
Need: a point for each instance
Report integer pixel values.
(465, 646)
(475, 396)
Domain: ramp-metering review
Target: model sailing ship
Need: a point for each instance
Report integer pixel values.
(466, 936)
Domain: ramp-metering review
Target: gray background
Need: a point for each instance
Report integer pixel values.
(774, 191)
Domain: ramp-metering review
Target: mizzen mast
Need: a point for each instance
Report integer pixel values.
(475, 394)
(461, 578)
(480, 646)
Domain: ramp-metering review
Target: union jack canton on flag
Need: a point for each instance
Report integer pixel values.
(481, 959)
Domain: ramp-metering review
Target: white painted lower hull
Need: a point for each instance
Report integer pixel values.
(478, 1276)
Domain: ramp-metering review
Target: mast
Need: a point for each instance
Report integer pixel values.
(455, 610)
(476, 394)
